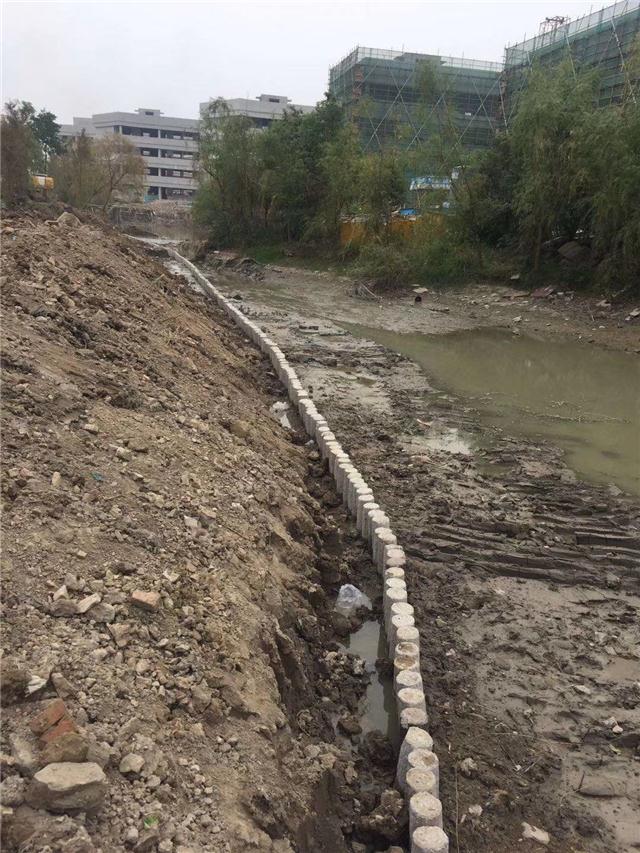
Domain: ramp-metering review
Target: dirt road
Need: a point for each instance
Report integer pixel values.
(525, 574)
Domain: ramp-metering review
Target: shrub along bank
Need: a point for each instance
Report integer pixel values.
(565, 170)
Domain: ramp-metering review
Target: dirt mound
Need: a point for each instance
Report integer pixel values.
(171, 679)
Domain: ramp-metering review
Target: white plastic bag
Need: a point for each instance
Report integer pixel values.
(350, 598)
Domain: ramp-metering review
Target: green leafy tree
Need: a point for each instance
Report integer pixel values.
(229, 198)
(551, 111)
(341, 168)
(382, 188)
(17, 150)
(606, 156)
(46, 131)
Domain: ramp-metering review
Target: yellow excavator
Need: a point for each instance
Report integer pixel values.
(42, 185)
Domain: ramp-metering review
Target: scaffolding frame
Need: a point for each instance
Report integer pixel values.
(380, 90)
(600, 41)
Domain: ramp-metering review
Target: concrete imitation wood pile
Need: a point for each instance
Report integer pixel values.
(418, 767)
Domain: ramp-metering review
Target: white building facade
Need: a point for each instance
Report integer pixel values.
(263, 110)
(168, 145)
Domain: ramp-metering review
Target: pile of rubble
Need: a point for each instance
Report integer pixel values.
(166, 678)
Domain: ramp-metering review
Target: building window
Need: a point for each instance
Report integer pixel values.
(137, 131)
(152, 171)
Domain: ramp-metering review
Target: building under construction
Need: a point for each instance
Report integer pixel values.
(605, 41)
(401, 98)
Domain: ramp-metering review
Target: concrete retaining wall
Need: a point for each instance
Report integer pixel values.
(418, 768)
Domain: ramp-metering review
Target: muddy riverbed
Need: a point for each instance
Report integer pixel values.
(505, 449)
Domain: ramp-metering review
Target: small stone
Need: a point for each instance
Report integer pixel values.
(91, 427)
(201, 698)
(142, 666)
(13, 684)
(131, 763)
(475, 811)
(145, 600)
(68, 787)
(68, 220)
(172, 577)
(87, 603)
(120, 634)
(56, 478)
(350, 725)
(123, 568)
(70, 746)
(100, 753)
(535, 834)
(63, 607)
(12, 792)
(61, 592)
(467, 767)
(124, 453)
(23, 755)
(581, 688)
(131, 836)
(102, 612)
(138, 445)
(239, 429)
(148, 841)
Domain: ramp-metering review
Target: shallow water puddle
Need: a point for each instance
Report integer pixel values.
(378, 712)
(584, 399)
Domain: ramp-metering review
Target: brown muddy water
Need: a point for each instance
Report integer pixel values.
(581, 398)
(378, 712)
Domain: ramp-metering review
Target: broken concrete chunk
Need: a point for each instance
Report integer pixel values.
(88, 602)
(68, 787)
(145, 600)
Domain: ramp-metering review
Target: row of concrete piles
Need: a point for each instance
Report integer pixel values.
(418, 768)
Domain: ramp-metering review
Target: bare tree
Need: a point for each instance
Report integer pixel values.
(120, 170)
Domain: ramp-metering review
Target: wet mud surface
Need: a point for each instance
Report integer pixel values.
(524, 569)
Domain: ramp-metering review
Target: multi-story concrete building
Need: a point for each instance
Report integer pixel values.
(263, 110)
(168, 145)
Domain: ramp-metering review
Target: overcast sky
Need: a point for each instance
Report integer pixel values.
(84, 57)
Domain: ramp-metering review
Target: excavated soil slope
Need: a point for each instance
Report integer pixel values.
(168, 647)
